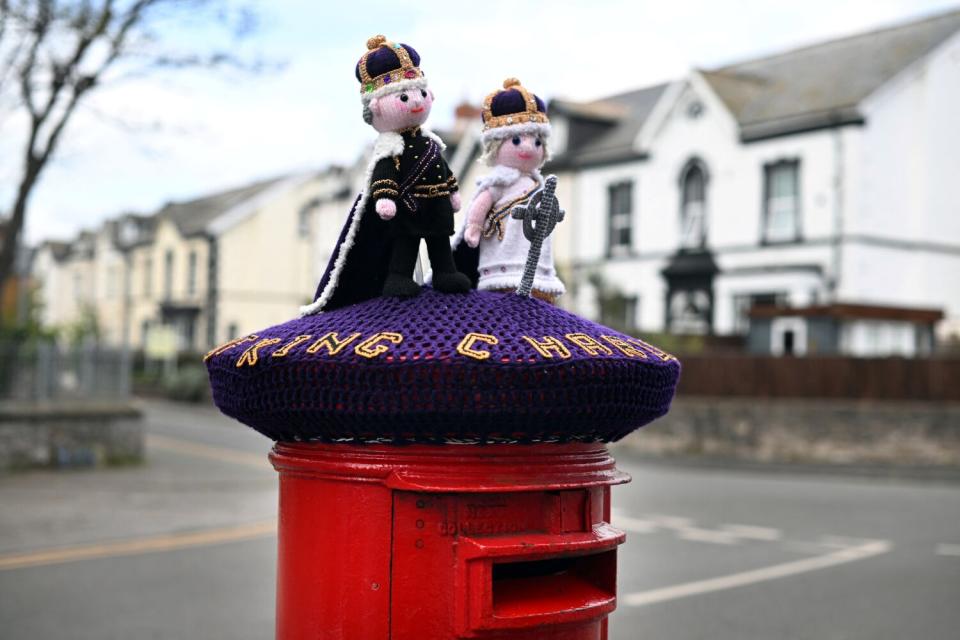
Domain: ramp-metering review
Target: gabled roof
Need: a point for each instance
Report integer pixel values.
(131, 230)
(193, 216)
(622, 116)
(59, 250)
(253, 200)
(823, 84)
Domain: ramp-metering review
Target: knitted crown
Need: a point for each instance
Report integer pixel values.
(513, 110)
(388, 67)
(481, 367)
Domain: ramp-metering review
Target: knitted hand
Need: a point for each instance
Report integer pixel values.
(455, 201)
(386, 208)
(472, 235)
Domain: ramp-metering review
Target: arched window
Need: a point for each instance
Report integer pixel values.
(693, 205)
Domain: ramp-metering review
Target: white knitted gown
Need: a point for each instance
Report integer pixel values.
(502, 259)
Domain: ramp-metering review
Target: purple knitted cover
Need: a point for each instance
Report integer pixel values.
(480, 367)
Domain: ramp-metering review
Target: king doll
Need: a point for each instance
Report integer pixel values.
(409, 193)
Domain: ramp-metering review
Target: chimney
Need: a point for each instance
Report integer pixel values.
(465, 115)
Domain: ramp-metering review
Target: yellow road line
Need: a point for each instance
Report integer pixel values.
(220, 454)
(150, 544)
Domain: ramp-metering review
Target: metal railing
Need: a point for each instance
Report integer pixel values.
(40, 371)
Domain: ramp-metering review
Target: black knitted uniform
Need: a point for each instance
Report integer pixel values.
(421, 190)
(430, 192)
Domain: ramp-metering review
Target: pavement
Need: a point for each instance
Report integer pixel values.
(184, 547)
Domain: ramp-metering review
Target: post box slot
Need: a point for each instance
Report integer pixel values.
(531, 569)
(565, 584)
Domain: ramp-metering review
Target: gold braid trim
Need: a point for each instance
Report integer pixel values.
(493, 222)
(407, 70)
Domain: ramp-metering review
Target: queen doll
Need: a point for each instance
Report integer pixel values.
(491, 246)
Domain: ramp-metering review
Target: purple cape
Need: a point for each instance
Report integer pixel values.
(366, 261)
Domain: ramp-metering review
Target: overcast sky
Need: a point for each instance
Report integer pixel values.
(145, 142)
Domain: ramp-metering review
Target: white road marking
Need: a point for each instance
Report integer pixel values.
(865, 550)
(753, 533)
(695, 534)
(948, 550)
(671, 522)
(727, 534)
(634, 525)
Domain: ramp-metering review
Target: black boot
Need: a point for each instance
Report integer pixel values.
(446, 278)
(403, 259)
(400, 286)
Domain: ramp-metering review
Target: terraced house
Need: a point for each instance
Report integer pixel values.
(207, 269)
(813, 178)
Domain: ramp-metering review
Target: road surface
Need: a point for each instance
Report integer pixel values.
(183, 548)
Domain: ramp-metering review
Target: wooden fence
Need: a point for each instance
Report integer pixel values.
(729, 375)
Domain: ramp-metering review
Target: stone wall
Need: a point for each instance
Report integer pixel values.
(69, 435)
(807, 431)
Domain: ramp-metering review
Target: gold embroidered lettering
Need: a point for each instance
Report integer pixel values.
(625, 347)
(285, 349)
(227, 345)
(251, 355)
(332, 343)
(663, 355)
(465, 348)
(588, 344)
(370, 348)
(548, 345)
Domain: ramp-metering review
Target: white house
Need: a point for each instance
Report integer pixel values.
(826, 174)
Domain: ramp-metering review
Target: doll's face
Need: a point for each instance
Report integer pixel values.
(398, 111)
(523, 152)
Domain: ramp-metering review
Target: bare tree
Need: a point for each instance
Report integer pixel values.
(53, 53)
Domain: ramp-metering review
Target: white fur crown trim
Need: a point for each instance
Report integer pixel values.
(395, 87)
(500, 133)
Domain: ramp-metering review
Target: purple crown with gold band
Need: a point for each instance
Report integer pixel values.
(511, 106)
(386, 65)
(481, 367)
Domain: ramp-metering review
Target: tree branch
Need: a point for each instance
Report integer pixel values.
(4, 11)
(38, 30)
(52, 86)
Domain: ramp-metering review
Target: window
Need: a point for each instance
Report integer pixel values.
(168, 274)
(619, 312)
(303, 223)
(693, 206)
(147, 277)
(192, 273)
(690, 311)
(77, 287)
(304, 217)
(620, 218)
(781, 211)
(113, 277)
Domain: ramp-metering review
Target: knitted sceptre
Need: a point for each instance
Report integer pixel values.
(539, 217)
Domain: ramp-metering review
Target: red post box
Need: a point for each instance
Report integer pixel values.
(426, 542)
(438, 483)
